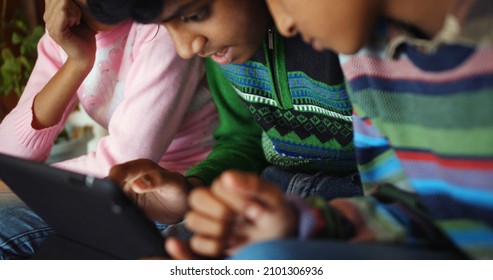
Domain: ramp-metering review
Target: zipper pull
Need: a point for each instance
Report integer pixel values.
(271, 39)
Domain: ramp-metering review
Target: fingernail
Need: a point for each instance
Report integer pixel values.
(144, 182)
(146, 179)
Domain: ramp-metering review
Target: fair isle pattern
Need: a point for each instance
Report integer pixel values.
(252, 81)
(250, 98)
(308, 128)
(434, 126)
(304, 89)
(322, 111)
(307, 94)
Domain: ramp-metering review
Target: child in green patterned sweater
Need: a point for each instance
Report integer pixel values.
(293, 92)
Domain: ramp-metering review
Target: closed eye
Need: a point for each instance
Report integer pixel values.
(195, 17)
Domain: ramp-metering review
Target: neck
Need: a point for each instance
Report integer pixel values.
(426, 15)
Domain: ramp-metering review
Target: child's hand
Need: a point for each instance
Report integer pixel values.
(63, 20)
(161, 194)
(179, 250)
(239, 209)
(211, 221)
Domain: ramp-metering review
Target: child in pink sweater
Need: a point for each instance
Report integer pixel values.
(129, 79)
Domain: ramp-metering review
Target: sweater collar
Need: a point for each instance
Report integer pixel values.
(468, 23)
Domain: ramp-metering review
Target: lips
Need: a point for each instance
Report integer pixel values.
(222, 57)
(317, 45)
(314, 43)
(221, 53)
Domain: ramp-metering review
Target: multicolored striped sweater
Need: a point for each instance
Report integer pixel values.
(423, 120)
(298, 97)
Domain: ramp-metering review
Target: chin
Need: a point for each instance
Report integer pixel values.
(245, 55)
(240, 60)
(349, 47)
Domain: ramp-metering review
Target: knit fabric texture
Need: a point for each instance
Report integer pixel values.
(424, 134)
(299, 99)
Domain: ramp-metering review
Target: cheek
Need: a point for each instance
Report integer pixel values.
(252, 40)
(175, 34)
(239, 34)
(275, 9)
(335, 33)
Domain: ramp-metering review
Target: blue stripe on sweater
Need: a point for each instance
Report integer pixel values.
(384, 170)
(366, 155)
(447, 57)
(459, 193)
(368, 148)
(364, 141)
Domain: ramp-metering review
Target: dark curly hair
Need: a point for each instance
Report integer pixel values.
(115, 11)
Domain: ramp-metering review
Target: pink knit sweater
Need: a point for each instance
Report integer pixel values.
(154, 104)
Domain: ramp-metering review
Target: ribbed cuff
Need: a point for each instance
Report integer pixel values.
(35, 139)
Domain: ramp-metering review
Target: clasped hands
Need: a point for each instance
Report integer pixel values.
(237, 209)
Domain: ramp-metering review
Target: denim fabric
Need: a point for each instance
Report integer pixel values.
(334, 250)
(179, 231)
(21, 230)
(160, 226)
(319, 184)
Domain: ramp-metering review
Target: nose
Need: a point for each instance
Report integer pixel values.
(284, 22)
(286, 26)
(187, 44)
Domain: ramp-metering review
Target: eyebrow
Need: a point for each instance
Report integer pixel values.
(179, 11)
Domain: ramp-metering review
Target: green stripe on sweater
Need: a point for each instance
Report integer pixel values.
(453, 111)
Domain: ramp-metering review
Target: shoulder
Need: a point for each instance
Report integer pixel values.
(148, 31)
(152, 37)
(374, 50)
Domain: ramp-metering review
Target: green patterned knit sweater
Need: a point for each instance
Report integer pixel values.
(297, 96)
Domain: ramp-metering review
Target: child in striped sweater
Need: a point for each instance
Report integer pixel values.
(420, 77)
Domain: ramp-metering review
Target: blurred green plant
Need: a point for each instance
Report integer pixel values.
(17, 57)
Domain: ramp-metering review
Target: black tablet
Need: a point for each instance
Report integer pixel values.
(90, 216)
